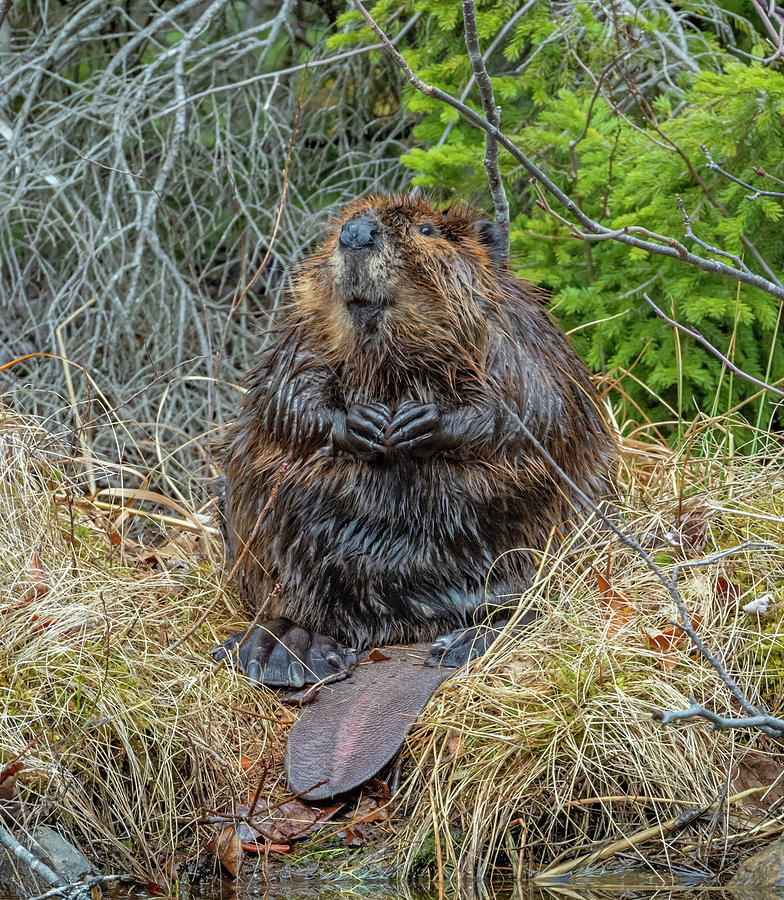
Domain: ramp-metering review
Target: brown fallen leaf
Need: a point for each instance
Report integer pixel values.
(377, 655)
(38, 577)
(352, 837)
(227, 847)
(758, 769)
(170, 866)
(619, 606)
(689, 532)
(667, 642)
(727, 590)
(369, 810)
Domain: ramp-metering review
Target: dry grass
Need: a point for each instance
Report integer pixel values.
(544, 751)
(125, 743)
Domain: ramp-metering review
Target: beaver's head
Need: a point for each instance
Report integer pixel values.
(403, 282)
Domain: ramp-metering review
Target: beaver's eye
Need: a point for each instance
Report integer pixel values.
(427, 230)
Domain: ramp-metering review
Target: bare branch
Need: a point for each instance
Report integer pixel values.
(29, 859)
(5, 8)
(718, 251)
(718, 723)
(608, 235)
(706, 265)
(757, 192)
(290, 70)
(493, 115)
(692, 332)
(85, 888)
(777, 36)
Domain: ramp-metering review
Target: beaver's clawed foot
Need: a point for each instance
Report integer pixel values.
(279, 653)
(459, 647)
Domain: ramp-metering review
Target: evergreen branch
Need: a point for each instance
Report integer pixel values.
(712, 164)
(591, 225)
(493, 115)
(692, 332)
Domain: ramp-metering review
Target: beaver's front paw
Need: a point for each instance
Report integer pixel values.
(415, 429)
(279, 653)
(361, 431)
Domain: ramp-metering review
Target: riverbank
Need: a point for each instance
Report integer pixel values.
(120, 732)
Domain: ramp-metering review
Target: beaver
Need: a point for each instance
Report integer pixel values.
(380, 485)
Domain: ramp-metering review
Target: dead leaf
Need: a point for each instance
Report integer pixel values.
(666, 642)
(227, 847)
(762, 606)
(375, 787)
(727, 590)
(689, 532)
(371, 809)
(8, 781)
(170, 866)
(377, 655)
(758, 769)
(618, 604)
(352, 837)
(302, 697)
(38, 577)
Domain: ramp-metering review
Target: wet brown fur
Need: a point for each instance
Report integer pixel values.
(407, 548)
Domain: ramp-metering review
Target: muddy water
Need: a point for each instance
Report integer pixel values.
(618, 886)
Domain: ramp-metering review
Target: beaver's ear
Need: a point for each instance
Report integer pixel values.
(491, 236)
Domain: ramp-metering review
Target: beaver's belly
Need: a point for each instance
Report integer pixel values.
(387, 551)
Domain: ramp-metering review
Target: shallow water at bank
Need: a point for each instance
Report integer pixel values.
(611, 886)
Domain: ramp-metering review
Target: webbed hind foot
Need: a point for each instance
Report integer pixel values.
(280, 653)
(458, 648)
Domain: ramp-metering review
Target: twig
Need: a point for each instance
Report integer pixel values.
(312, 64)
(711, 249)
(712, 164)
(28, 858)
(5, 8)
(758, 170)
(777, 36)
(168, 521)
(718, 723)
(706, 265)
(692, 332)
(493, 115)
(608, 235)
(624, 535)
(77, 888)
(81, 428)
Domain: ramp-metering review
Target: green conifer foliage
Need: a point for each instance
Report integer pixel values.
(615, 112)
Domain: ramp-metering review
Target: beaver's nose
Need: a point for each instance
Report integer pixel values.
(359, 234)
